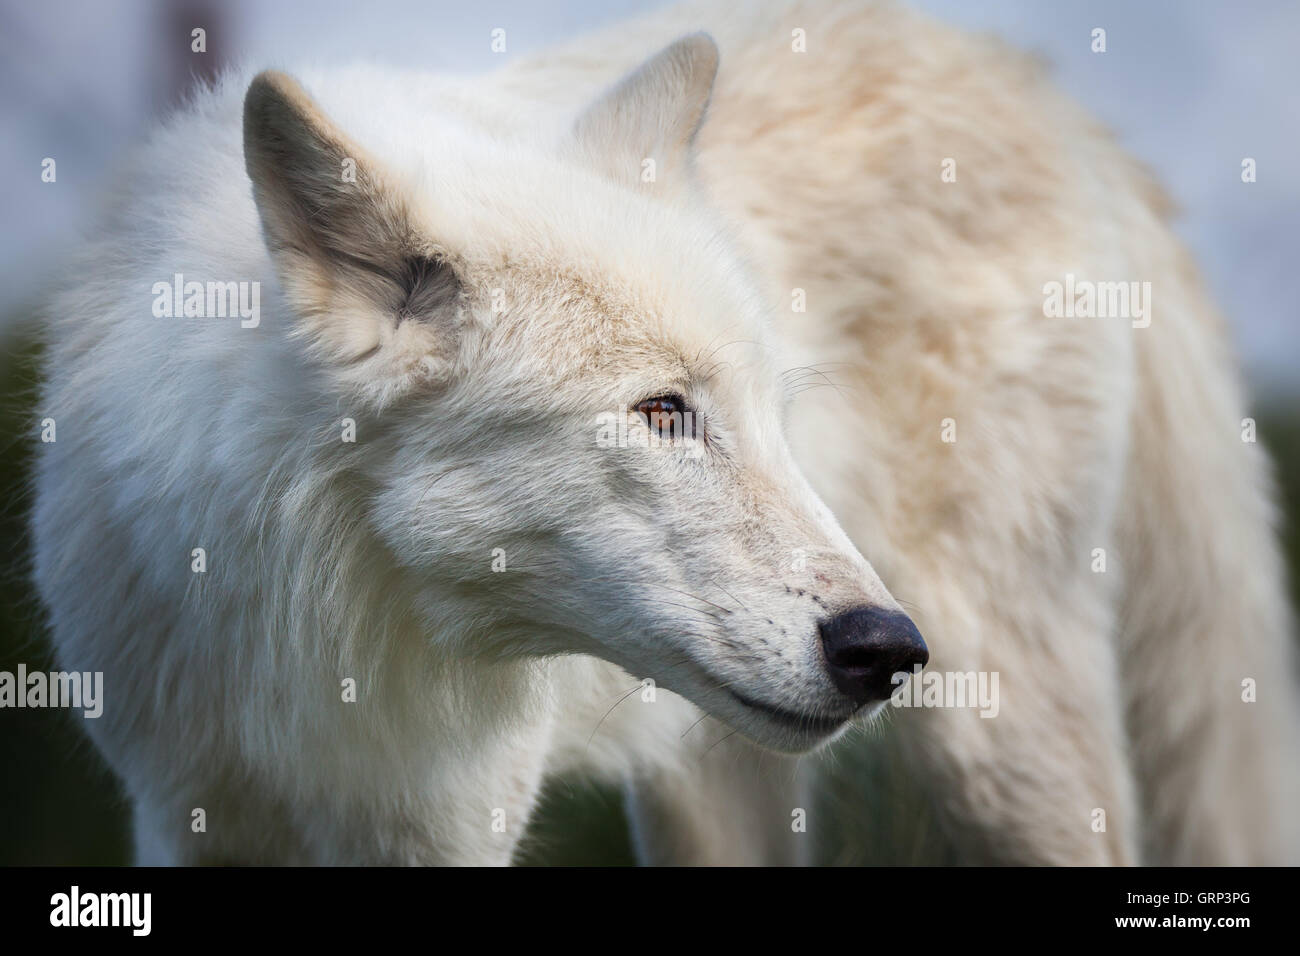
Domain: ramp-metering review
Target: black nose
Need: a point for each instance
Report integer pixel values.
(866, 646)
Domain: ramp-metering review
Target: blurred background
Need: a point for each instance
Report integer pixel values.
(1189, 87)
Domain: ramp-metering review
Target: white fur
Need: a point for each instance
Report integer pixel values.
(373, 561)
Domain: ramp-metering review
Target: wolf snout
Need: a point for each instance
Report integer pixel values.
(866, 646)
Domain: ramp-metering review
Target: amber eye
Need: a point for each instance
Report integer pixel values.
(668, 416)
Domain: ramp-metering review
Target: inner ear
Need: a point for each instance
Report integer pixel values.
(652, 114)
(365, 288)
(428, 287)
(318, 193)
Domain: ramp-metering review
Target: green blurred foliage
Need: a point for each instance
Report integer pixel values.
(59, 804)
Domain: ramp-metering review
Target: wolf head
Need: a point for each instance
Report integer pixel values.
(575, 418)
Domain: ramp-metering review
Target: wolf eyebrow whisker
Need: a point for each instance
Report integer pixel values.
(729, 344)
(702, 354)
(710, 372)
(801, 376)
(815, 367)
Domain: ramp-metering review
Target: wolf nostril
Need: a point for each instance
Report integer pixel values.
(866, 646)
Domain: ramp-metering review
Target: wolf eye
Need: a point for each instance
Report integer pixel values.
(668, 416)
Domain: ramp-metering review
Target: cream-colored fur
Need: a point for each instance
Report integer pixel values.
(567, 286)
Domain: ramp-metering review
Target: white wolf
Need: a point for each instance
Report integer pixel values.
(523, 426)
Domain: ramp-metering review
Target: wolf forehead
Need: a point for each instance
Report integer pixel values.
(590, 270)
(598, 319)
(554, 234)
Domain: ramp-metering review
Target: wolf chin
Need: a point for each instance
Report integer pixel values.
(359, 578)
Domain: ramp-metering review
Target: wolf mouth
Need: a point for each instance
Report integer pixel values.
(804, 722)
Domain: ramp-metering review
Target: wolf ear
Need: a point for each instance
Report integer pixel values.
(641, 130)
(374, 301)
